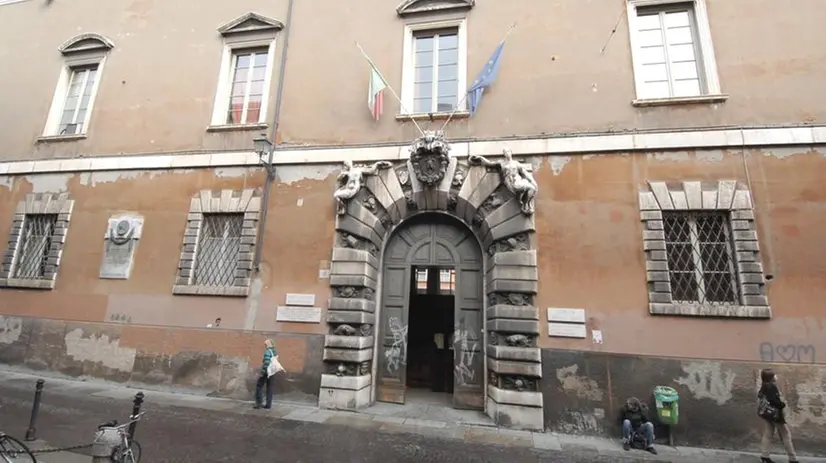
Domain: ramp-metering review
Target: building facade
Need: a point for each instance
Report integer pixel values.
(635, 200)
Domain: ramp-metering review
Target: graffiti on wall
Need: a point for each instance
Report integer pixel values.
(120, 317)
(787, 353)
(707, 380)
(10, 329)
(99, 349)
(396, 354)
(464, 347)
(582, 386)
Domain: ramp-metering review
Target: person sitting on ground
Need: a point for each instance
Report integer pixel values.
(634, 417)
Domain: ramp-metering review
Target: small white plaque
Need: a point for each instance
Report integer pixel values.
(323, 273)
(596, 335)
(566, 315)
(298, 314)
(304, 300)
(567, 330)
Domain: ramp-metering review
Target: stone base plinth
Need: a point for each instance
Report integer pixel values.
(515, 409)
(344, 392)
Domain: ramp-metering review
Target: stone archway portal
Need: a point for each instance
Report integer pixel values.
(493, 199)
(430, 242)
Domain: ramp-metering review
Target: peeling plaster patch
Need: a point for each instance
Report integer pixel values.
(10, 329)
(579, 422)
(680, 156)
(558, 163)
(710, 156)
(783, 153)
(6, 181)
(99, 349)
(232, 172)
(109, 176)
(291, 174)
(252, 303)
(49, 183)
(707, 380)
(811, 400)
(584, 387)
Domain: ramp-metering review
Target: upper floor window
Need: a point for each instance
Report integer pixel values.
(77, 86)
(249, 71)
(76, 106)
(246, 69)
(434, 75)
(671, 49)
(436, 79)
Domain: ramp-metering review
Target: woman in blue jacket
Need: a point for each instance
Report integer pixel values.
(264, 378)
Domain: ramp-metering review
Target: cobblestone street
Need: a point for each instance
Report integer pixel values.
(187, 428)
(177, 434)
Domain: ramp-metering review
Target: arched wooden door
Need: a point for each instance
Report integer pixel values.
(441, 243)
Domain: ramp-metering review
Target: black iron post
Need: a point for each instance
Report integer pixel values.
(31, 433)
(136, 409)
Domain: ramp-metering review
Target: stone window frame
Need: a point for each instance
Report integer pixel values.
(81, 51)
(34, 204)
(724, 195)
(247, 32)
(225, 201)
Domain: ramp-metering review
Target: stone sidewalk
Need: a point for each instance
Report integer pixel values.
(382, 419)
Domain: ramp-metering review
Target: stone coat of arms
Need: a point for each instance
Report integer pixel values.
(429, 157)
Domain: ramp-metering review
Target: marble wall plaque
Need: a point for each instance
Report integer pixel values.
(119, 244)
(298, 314)
(567, 330)
(304, 300)
(566, 315)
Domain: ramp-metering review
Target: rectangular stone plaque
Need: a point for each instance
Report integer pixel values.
(567, 330)
(566, 315)
(122, 235)
(304, 300)
(298, 314)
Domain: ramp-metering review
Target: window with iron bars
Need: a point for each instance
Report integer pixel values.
(219, 247)
(701, 264)
(35, 242)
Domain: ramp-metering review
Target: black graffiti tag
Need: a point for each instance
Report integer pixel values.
(787, 353)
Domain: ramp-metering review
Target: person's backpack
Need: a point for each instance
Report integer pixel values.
(637, 440)
(766, 410)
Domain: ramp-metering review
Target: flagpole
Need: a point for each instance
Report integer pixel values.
(468, 93)
(389, 87)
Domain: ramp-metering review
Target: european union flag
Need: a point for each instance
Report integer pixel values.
(485, 78)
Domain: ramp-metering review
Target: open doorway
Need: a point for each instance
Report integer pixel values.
(430, 361)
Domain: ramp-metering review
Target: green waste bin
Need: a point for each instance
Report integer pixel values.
(668, 407)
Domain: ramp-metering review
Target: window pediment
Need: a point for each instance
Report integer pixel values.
(409, 7)
(85, 43)
(251, 22)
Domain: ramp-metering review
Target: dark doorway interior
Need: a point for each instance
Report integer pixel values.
(431, 320)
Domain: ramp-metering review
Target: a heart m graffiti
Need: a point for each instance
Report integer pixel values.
(787, 353)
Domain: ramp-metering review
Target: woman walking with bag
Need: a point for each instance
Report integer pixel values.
(269, 367)
(771, 408)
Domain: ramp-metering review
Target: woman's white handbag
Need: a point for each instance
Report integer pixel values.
(274, 367)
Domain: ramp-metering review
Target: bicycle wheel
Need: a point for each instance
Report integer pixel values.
(133, 455)
(14, 451)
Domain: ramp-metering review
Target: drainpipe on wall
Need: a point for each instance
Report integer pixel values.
(262, 224)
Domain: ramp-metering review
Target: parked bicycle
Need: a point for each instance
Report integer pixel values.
(129, 450)
(14, 451)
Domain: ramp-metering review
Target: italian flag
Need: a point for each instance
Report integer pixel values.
(375, 98)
